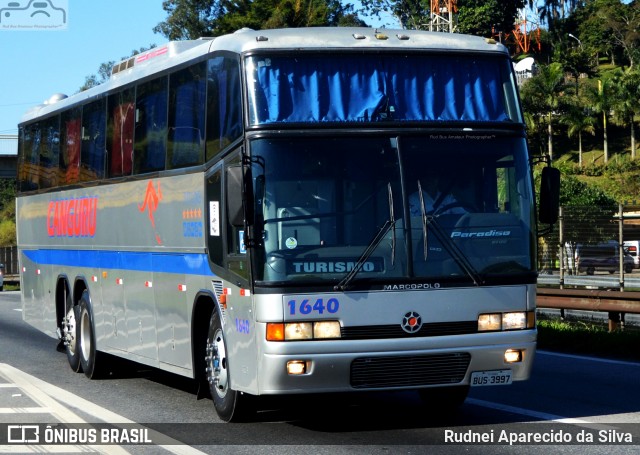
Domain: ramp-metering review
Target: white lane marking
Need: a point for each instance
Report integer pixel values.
(591, 359)
(537, 414)
(43, 393)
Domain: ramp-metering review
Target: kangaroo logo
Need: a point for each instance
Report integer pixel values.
(151, 201)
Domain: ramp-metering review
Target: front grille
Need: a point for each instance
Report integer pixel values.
(409, 371)
(367, 332)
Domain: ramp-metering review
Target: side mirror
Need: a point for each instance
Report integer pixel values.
(234, 196)
(549, 196)
(239, 196)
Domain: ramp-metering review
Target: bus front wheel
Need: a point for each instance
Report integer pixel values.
(231, 405)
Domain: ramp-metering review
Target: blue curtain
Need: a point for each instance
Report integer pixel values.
(357, 88)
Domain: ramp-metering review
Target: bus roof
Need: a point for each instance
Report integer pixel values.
(176, 53)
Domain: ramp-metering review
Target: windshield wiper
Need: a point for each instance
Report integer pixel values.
(366, 254)
(447, 243)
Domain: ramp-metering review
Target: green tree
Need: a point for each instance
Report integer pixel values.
(587, 212)
(601, 98)
(7, 212)
(623, 22)
(594, 33)
(626, 102)
(192, 19)
(487, 17)
(577, 121)
(541, 95)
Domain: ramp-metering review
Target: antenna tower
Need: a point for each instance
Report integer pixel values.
(442, 19)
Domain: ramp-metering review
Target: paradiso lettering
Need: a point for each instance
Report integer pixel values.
(72, 217)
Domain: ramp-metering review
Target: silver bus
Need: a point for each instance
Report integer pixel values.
(287, 212)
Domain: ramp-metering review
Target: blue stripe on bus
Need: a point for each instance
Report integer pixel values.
(185, 263)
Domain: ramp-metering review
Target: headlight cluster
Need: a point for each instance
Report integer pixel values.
(301, 331)
(494, 322)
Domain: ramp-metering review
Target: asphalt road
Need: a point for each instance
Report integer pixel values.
(568, 401)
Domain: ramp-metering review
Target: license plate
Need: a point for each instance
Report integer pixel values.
(494, 377)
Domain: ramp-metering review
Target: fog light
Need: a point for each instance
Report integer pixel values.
(513, 356)
(296, 367)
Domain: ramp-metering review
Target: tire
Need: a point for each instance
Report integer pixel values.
(71, 334)
(444, 399)
(230, 405)
(89, 356)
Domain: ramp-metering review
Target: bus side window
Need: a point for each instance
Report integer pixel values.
(27, 173)
(187, 90)
(49, 151)
(224, 104)
(70, 145)
(151, 126)
(93, 151)
(121, 112)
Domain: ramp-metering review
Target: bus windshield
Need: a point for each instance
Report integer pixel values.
(445, 206)
(385, 87)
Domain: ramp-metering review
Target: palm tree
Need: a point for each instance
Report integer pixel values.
(626, 101)
(601, 102)
(541, 94)
(577, 122)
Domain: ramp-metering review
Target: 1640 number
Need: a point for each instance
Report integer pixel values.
(307, 306)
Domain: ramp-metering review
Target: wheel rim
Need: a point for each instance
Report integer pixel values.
(85, 334)
(217, 368)
(69, 329)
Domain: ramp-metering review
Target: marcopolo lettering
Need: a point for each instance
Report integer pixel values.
(76, 217)
(491, 233)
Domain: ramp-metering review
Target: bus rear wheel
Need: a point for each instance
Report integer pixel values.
(71, 333)
(230, 405)
(89, 356)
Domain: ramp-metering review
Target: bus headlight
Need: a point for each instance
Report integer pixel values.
(493, 322)
(302, 331)
(298, 331)
(513, 321)
(326, 329)
(489, 322)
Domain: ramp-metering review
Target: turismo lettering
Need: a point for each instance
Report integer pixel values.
(72, 217)
(333, 267)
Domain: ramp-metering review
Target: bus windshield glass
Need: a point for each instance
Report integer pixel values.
(433, 207)
(365, 88)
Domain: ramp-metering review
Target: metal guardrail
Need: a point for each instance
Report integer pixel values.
(616, 303)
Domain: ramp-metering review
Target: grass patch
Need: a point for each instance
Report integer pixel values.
(588, 339)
